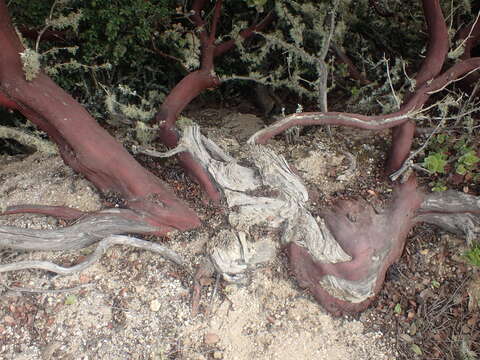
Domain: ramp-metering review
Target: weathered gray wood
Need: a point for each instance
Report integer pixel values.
(84, 232)
(102, 247)
(234, 252)
(453, 211)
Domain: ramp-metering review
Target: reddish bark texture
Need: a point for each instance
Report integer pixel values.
(362, 232)
(82, 143)
(193, 84)
(364, 235)
(402, 136)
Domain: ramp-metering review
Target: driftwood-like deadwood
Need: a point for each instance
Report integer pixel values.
(83, 233)
(104, 227)
(341, 256)
(102, 247)
(453, 211)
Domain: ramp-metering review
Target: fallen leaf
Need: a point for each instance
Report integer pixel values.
(416, 349)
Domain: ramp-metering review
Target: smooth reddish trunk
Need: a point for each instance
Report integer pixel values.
(83, 144)
(364, 235)
(402, 136)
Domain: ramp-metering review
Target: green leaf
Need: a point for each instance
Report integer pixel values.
(439, 188)
(435, 284)
(470, 158)
(461, 169)
(441, 138)
(398, 309)
(70, 300)
(416, 349)
(473, 254)
(435, 163)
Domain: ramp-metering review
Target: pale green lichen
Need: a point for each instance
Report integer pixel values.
(30, 63)
(191, 52)
(183, 122)
(144, 133)
(61, 22)
(28, 139)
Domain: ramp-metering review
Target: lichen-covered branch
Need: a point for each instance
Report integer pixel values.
(408, 110)
(82, 143)
(27, 139)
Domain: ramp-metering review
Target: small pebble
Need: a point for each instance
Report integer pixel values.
(155, 305)
(211, 338)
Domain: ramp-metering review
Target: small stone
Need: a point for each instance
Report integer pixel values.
(9, 320)
(211, 338)
(217, 355)
(155, 305)
(406, 338)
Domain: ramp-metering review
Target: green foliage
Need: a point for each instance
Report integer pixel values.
(449, 155)
(70, 300)
(119, 31)
(398, 309)
(435, 162)
(473, 254)
(416, 349)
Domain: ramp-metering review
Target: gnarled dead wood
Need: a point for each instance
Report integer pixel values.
(103, 226)
(341, 256)
(88, 230)
(102, 247)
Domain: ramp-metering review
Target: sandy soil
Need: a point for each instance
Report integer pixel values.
(135, 305)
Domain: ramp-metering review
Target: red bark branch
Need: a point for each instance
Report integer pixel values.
(216, 18)
(83, 144)
(192, 85)
(7, 102)
(364, 235)
(376, 122)
(244, 34)
(402, 136)
(196, 17)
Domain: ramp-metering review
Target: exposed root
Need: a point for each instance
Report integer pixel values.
(62, 212)
(47, 291)
(103, 246)
(85, 232)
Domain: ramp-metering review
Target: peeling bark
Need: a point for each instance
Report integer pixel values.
(342, 256)
(195, 83)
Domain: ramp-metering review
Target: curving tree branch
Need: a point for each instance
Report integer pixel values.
(402, 136)
(82, 143)
(193, 84)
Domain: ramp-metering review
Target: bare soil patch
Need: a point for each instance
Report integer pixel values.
(136, 305)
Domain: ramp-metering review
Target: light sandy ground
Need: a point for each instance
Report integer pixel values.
(135, 305)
